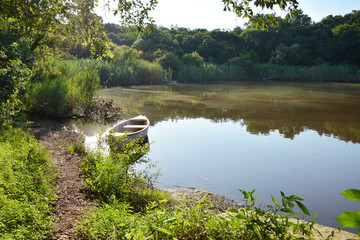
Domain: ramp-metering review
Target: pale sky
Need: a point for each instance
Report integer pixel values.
(209, 14)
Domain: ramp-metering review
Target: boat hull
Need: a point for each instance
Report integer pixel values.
(128, 131)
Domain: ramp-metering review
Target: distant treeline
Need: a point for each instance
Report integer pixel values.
(296, 49)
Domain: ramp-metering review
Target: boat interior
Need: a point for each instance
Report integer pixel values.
(133, 125)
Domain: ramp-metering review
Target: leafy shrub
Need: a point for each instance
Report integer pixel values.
(14, 81)
(254, 222)
(350, 219)
(125, 53)
(117, 220)
(114, 177)
(192, 59)
(25, 186)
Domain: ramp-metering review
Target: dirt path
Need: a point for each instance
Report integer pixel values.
(71, 201)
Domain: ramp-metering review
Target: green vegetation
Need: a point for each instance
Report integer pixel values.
(114, 177)
(63, 87)
(47, 51)
(26, 184)
(115, 73)
(350, 219)
(326, 51)
(132, 209)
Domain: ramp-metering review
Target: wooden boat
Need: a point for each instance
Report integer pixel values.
(131, 129)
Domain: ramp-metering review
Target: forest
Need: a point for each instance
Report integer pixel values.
(297, 49)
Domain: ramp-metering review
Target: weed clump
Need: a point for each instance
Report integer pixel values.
(26, 183)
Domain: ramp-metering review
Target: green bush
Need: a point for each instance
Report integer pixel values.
(113, 176)
(64, 88)
(26, 178)
(204, 73)
(14, 81)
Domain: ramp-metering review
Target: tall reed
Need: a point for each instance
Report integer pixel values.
(130, 72)
(322, 73)
(63, 86)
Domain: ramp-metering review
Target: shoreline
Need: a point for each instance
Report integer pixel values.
(221, 204)
(51, 133)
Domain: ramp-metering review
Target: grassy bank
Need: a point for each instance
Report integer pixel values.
(132, 209)
(26, 183)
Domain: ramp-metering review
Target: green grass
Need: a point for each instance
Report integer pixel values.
(26, 178)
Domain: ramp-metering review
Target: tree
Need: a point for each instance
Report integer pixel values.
(284, 55)
(125, 53)
(244, 9)
(25, 26)
(34, 20)
(192, 59)
(169, 61)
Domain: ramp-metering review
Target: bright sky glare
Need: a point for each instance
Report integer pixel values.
(209, 14)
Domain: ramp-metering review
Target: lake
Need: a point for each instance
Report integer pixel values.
(301, 139)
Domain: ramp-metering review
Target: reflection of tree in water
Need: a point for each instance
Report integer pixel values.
(288, 121)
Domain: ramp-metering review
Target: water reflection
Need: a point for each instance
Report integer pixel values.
(329, 109)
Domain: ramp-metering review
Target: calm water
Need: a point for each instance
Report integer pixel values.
(301, 139)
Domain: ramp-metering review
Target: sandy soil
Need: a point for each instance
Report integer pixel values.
(71, 201)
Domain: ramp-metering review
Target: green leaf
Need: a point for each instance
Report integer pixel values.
(282, 194)
(287, 210)
(163, 230)
(302, 207)
(235, 211)
(349, 219)
(274, 200)
(171, 220)
(352, 194)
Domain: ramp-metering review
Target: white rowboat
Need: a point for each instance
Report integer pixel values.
(131, 129)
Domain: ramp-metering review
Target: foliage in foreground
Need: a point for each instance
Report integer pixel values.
(350, 219)
(117, 220)
(113, 177)
(25, 186)
(132, 209)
